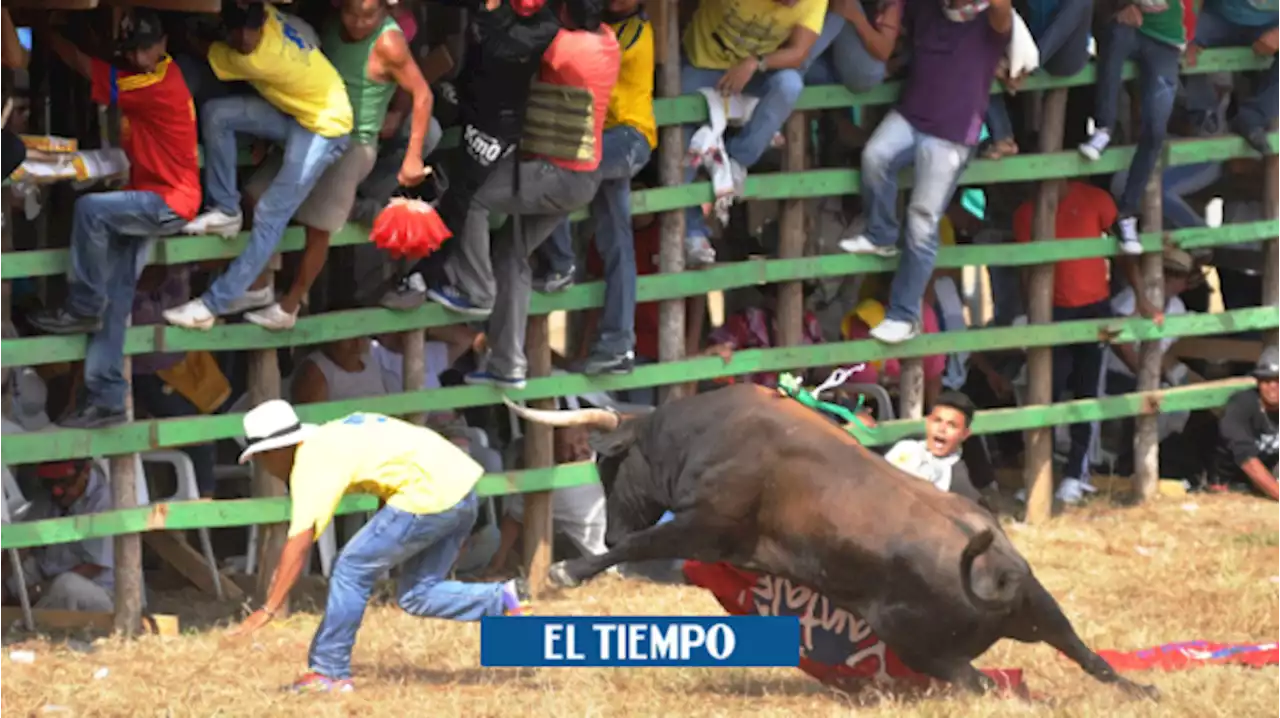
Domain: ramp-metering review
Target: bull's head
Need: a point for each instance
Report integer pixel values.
(615, 433)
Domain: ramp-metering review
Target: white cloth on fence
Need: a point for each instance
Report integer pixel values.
(1023, 55)
(707, 148)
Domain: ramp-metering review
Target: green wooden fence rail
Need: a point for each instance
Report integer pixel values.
(246, 512)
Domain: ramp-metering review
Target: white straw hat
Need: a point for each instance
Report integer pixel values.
(271, 425)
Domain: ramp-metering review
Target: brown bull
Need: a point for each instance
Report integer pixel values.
(758, 480)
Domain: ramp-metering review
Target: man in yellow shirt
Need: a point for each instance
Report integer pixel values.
(303, 105)
(630, 136)
(753, 47)
(428, 486)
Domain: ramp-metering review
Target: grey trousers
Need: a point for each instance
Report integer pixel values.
(498, 275)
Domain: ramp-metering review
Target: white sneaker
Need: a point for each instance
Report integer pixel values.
(1072, 491)
(1097, 144)
(253, 299)
(1130, 242)
(273, 317)
(894, 331)
(861, 245)
(192, 315)
(215, 221)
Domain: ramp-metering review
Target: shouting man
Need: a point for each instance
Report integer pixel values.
(937, 459)
(428, 486)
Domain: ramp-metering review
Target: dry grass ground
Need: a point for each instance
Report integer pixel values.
(1179, 569)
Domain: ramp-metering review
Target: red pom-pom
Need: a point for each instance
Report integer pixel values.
(409, 228)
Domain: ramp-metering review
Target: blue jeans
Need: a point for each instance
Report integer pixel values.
(110, 238)
(626, 152)
(1158, 82)
(1213, 30)
(306, 157)
(938, 165)
(1176, 183)
(778, 91)
(425, 546)
(839, 56)
(1081, 368)
(1064, 51)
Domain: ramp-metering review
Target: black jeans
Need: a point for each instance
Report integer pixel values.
(161, 401)
(1080, 368)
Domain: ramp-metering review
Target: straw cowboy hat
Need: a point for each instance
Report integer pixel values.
(273, 425)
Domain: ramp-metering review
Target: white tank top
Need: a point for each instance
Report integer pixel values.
(344, 384)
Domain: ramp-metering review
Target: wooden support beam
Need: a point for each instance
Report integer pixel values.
(671, 145)
(538, 453)
(1146, 437)
(188, 562)
(1217, 348)
(264, 384)
(414, 367)
(791, 235)
(1270, 210)
(911, 389)
(60, 620)
(1038, 469)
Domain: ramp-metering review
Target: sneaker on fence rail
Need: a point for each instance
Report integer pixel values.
(862, 245)
(1127, 235)
(450, 298)
(1255, 136)
(598, 362)
(61, 321)
(895, 331)
(215, 221)
(273, 317)
(312, 682)
(698, 251)
(192, 315)
(1096, 145)
(555, 281)
(486, 377)
(91, 416)
(253, 299)
(410, 293)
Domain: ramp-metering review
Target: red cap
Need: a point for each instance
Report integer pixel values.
(525, 8)
(54, 470)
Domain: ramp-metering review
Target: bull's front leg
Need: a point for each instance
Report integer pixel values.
(672, 540)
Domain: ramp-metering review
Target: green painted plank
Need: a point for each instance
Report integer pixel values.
(246, 512)
(182, 515)
(146, 435)
(33, 351)
(1188, 398)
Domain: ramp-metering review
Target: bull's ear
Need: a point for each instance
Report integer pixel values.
(615, 442)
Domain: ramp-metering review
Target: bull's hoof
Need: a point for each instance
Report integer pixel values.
(559, 576)
(1137, 690)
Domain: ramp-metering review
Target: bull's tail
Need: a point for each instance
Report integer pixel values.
(1007, 584)
(604, 419)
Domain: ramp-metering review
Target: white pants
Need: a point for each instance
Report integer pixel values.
(578, 512)
(72, 592)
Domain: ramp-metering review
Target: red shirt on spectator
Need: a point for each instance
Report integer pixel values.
(1084, 211)
(157, 131)
(648, 242)
(577, 58)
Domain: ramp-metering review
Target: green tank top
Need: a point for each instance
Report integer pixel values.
(369, 98)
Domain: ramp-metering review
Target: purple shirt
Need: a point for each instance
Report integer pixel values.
(952, 66)
(148, 308)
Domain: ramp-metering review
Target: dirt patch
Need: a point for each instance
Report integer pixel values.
(1202, 567)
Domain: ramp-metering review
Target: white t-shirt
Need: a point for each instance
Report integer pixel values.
(436, 355)
(912, 456)
(1123, 305)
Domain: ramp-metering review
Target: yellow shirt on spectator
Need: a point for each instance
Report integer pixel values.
(632, 100)
(409, 467)
(292, 74)
(725, 32)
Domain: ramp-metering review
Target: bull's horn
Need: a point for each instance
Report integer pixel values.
(596, 418)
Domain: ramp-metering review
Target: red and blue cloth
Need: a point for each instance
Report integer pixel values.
(839, 649)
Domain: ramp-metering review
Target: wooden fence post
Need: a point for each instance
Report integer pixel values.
(911, 389)
(264, 385)
(671, 331)
(538, 453)
(1270, 210)
(414, 367)
(1038, 470)
(791, 235)
(1146, 437)
(127, 551)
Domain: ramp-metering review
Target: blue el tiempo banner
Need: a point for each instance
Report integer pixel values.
(639, 641)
